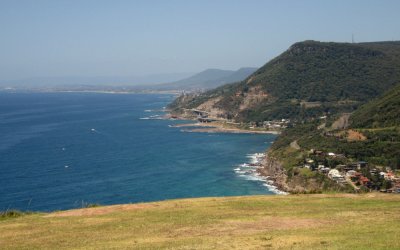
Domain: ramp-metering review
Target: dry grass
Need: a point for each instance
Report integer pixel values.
(254, 222)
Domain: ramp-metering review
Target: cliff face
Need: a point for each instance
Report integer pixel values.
(272, 168)
(294, 182)
(309, 81)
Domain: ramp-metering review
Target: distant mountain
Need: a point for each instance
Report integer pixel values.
(309, 79)
(208, 79)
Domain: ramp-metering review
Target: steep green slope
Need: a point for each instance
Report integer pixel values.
(307, 80)
(381, 112)
(376, 122)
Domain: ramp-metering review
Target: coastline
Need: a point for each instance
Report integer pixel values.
(253, 171)
(259, 161)
(217, 127)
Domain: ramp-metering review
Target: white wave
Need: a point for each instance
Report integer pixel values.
(251, 177)
(249, 172)
(152, 117)
(274, 189)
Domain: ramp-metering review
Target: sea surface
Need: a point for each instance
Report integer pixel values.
(66, 150)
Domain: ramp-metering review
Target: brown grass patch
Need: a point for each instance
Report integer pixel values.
(275, 223)
(99, 210)
(239, 227)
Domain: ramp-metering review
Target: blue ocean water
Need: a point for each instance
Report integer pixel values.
(59, 150)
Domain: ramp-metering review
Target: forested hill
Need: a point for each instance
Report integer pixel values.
(379, 113)
(308, 80)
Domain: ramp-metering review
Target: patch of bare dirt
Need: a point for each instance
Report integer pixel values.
(208, 106)
(308, 105)
(99, 210)
(353, 135)
(253, 97)
(250, 80)
(295, 145)
(342, 122)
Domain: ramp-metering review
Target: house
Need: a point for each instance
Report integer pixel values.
(362, 164)
(363, 180)
(351, 166)
(334, 174)
(390, 176)
(340, 156)
(351, 173)
(373, 171)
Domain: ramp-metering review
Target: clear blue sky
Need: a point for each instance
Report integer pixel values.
(121, 38)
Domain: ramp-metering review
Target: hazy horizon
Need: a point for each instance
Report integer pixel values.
(140, 38)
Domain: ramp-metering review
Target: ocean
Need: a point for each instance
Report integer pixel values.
(66, 150)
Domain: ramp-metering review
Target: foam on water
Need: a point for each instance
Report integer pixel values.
(152, 117)
(249, 172)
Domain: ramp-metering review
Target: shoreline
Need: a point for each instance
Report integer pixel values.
(259, 161)
(252, 171)
(89, 91)
(215, 127)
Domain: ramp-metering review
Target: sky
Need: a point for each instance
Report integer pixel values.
(54, 38)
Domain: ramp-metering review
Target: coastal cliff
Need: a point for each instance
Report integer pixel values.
(274, 170)
(305, 82)
(294, 182)
(337, 98)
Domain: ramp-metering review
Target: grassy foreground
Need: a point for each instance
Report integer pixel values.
(341, 221)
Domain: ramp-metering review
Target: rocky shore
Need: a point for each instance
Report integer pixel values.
(296, 183)
(274, 171)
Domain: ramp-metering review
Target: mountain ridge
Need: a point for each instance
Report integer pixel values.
(208, 79)
(334, 76)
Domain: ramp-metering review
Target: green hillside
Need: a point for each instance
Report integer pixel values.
(373, 135)
(255, 222)
(309, 79)
(381, 112)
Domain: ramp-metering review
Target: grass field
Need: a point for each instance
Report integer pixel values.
(337, 221)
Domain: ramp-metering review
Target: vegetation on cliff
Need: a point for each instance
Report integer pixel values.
(380, 112)
(308, 80)
(377, 123)
(340, 97)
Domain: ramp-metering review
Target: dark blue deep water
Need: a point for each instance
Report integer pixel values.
(59, 150)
